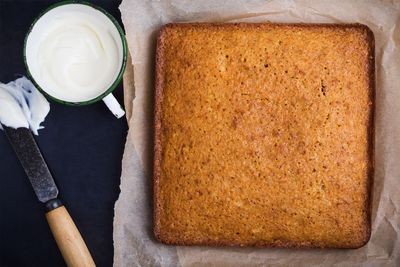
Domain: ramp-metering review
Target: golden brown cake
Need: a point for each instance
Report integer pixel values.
(264, 135)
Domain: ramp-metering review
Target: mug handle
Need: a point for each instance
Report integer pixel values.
(114, 106)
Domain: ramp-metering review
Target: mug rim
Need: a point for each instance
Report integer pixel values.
(117, 80)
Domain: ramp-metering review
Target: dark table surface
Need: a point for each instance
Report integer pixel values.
(83, 147)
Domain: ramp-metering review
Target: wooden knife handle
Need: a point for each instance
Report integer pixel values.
(68, 238)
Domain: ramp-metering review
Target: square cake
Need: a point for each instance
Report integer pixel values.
(264, 135)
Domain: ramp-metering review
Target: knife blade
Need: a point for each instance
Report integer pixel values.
(32, 161)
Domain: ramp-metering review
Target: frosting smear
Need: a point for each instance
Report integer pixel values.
(22, 105)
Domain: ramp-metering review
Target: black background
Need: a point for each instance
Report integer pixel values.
(83, 147)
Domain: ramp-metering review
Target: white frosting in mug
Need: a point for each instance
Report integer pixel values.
(74, 52)
(22, 105)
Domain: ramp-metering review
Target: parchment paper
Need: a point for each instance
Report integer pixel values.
(133, 239)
